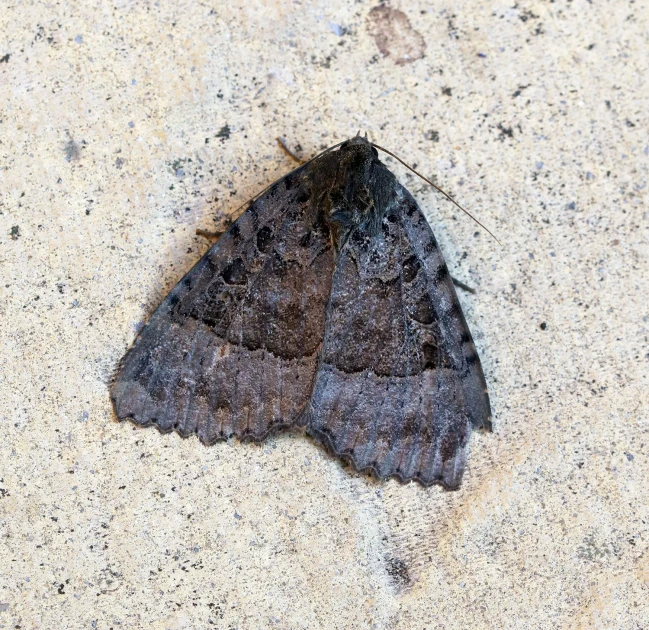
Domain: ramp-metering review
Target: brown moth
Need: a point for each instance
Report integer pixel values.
(327, 305)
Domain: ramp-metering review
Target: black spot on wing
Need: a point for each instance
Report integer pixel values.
(423, 311)
(235, 231)
(303, 196)
(235, 272)
(430, 246)
(429, 356)
(264, 239)
(291, 180)
(411, 267)
(305, 241)
(441, 274)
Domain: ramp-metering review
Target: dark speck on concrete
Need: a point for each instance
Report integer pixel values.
(447, 91)
(505, 132)
(527, 15)
(398, 571)
(71, 151)
(432, 135)
(224, 132)
(177, 167)
(15, 232)
(5, 58)
(543, 326)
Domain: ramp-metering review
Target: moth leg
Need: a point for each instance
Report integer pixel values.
(213, 236)
(288, 152)
(461, 285)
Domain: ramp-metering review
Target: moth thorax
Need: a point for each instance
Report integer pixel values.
(350, 202)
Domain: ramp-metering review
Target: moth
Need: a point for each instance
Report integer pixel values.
(326, 305)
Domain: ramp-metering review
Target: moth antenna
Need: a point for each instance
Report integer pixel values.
(396, 157)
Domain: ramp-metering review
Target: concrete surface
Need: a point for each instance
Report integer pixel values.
(127, 125)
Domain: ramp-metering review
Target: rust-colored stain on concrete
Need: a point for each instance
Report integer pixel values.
(394, 35)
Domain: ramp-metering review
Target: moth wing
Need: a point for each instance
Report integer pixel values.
(233, 349)
(399, 383)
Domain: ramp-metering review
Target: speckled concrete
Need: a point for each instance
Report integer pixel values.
(127, 125)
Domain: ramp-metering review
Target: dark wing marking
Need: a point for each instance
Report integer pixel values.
(233, 349)
(399, 382)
